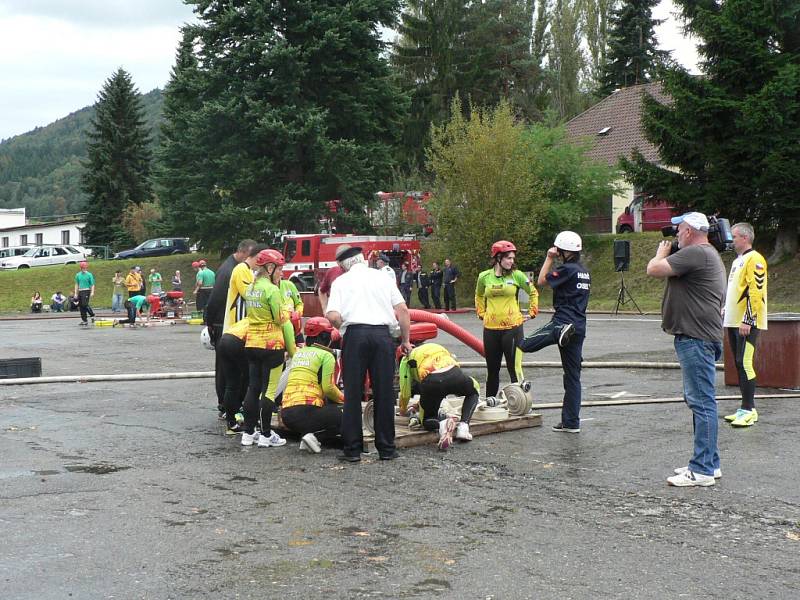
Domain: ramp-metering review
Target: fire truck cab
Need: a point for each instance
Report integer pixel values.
(308, 256)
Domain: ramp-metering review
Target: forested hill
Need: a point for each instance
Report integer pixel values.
(41, 170)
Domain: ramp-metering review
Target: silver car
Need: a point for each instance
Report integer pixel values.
(39, 256)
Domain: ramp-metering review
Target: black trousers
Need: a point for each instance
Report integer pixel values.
(449, 296)
(83, 303)
(201, 299)
(257, 407)
(436, 295)
(325, 422)
(422, 294)
(131, 308)
(405, 291)
(571, 357)
(434, 388)
(233, 372)
(215, 333)
(368, 349)
(744, 353)
(499, 343)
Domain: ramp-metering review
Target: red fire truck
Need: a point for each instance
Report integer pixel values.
(308, 256)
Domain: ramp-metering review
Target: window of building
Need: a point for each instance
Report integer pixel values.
(5, 242)
(65, 236)
(39, 239)
(23, 240)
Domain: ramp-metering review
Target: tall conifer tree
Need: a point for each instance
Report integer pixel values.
(117, 171)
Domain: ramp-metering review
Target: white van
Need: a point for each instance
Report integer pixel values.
(13, 251)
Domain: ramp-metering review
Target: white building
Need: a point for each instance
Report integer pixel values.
(15, 230)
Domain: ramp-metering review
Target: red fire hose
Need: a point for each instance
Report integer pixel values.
(447, 325)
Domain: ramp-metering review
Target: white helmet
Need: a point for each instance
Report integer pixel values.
(205, 339)
(568, 240)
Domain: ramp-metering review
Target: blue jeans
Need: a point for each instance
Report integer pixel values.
(116, 302)
(697, 358)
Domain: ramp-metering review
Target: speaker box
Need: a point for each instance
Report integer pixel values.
(622, 255)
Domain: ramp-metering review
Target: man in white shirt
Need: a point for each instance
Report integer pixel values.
(382, 263)
(364, 305)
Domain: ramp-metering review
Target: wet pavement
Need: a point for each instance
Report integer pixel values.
(132, 490)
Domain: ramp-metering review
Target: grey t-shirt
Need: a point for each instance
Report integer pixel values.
(694, 296)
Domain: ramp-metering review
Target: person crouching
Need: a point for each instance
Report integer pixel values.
(312, 404)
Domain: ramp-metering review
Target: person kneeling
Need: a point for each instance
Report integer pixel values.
(312, 404)
(436, 374)
(135, 305)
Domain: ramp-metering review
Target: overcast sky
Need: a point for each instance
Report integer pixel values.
(56, 54)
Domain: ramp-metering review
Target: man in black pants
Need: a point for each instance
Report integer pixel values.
(215, 311)
(406, 283)
(364, 304)
(436, 285)
(423, 283)
(571, 283)
(450, 276)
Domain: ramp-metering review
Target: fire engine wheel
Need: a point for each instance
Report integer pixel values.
(369, 417)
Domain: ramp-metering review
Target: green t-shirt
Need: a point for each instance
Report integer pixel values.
(206, 278)
(139, 301)
(84, 280)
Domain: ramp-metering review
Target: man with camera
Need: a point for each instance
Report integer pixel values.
(691, 310)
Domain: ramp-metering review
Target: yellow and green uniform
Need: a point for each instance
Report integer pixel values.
(269, 328)
(311, 378)
(235, 306)
(746, 300)
(497, 298)
(239, 329)
(290, 297)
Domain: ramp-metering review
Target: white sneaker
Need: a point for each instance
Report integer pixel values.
(690, 478)
(272, 440)
(249, 438)
(681, 470)
(310, 442)
(462, 432)
(446, 429)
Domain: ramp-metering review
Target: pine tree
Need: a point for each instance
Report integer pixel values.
(274, 109)
(566, 59)
(117, 172)
(733, 132)
(633, 55)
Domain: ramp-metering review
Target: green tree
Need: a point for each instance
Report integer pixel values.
(294, 107)
(732, 133)
(498, 179)
(566, 59)
(633, 55)
(596, 17)
(118, 168)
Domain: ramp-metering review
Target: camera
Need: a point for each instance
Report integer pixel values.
(719, 234)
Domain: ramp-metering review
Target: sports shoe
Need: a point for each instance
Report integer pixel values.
(310, 442)
(239, 417)
(273, 439)
(234, 429)
(249, 438)
(565, 335)
(115, 322)
(83, 324)
(462, 432)
(560, 427)
(745, 418)
(689, 478)
(681, 470)
(446, 429)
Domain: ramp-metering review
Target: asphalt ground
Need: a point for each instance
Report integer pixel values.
(132, 490)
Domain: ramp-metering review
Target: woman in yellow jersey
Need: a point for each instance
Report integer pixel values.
(497, 304)
(312, 404)
(269, 336)
(233, 366)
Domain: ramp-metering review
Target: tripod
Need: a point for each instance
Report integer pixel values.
(624, 295)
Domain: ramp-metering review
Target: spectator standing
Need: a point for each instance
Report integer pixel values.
(155, 282)
(176, 282)
(382, 264)
(132, 283)
(691, 310)
(142, 281)
(58, 300)
(423, 285)
(745, 317)
(84, 290)
(204, 285)
(117, 295)
(436, 284)
(36, 302)
(450, 276)
(571, 284)
(364, 304)
(406, 283)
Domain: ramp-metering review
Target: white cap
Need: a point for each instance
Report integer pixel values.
(695, 220)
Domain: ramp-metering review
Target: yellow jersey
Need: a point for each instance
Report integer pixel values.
(497, 298)
(746, 300)
(235, 305)
(311, 379)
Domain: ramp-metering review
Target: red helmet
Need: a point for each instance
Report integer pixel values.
(501, 247)
(268, 256)
(318, 325)
(294, 317)
(83, 263)
(195, 264)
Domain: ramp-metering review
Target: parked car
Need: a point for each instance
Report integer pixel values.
(13, 251)
(156, 247)
(39, 256)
